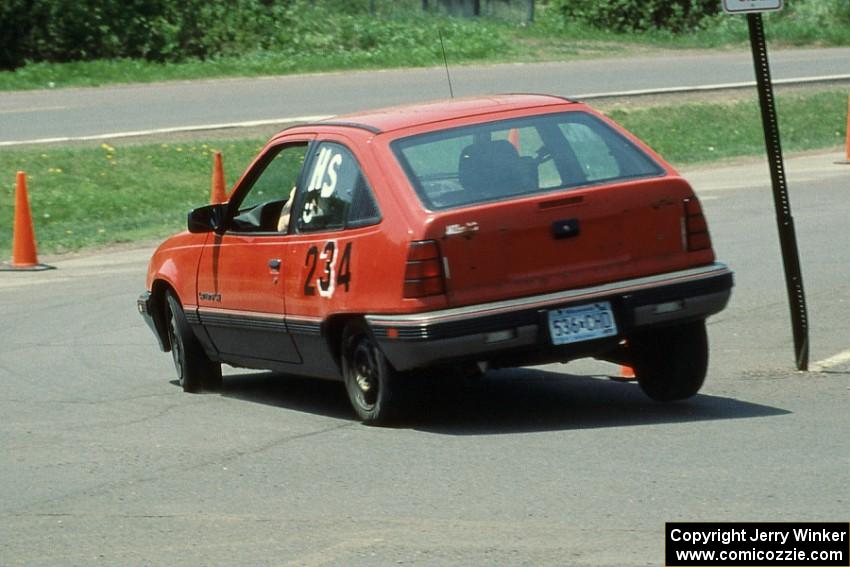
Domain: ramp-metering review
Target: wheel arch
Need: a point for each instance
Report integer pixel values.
(159, 305)
(334, 327)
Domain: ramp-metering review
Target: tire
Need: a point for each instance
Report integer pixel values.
(195, 371)
(670, 363)
(372, 384)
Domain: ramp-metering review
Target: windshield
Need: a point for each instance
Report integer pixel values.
(509, 158)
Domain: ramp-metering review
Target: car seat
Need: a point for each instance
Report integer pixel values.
(492, 169)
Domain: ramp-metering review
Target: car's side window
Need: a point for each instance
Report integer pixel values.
(266, 205)
(335, 194)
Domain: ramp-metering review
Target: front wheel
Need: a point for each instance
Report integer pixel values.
(371, 382)
(195, 371)
(670, 363)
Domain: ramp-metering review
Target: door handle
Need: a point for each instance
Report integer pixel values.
(274, 264)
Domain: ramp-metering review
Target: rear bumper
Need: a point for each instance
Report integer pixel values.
(517, 329)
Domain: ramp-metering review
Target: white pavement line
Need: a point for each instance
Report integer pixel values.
(34, 109)
(172, 130)
(831, 362)
(708, 88)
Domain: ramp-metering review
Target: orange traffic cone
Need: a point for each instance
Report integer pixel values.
(24, 256)
(513, 138)
(218, 193)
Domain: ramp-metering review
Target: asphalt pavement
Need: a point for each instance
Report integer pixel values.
(106, 462)
(74, 113)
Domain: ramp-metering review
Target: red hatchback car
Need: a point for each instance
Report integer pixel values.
(450, 237)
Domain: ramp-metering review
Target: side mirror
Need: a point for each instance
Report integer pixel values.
(209, 218)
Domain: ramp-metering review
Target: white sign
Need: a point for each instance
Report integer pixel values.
(750, 6)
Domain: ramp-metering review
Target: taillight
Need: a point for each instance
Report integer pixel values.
(696, 228)
(423, 275)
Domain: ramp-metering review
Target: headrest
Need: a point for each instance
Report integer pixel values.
(490, 168)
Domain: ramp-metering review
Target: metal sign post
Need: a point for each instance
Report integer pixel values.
(784, 220)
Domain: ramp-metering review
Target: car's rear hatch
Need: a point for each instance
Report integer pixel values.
(565, 240)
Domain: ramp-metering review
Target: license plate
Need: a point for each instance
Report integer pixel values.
(582, 323)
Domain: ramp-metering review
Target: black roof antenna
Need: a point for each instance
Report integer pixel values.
(446, 61)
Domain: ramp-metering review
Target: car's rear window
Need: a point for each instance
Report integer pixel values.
(510, 158)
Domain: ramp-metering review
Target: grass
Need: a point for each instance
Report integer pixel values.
(812, 23)
(88, 196)
(696, 132)
(83, 196)
(410, 39)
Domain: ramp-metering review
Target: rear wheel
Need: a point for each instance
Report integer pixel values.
(671, 362)
(195, 371)
(371, 382)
